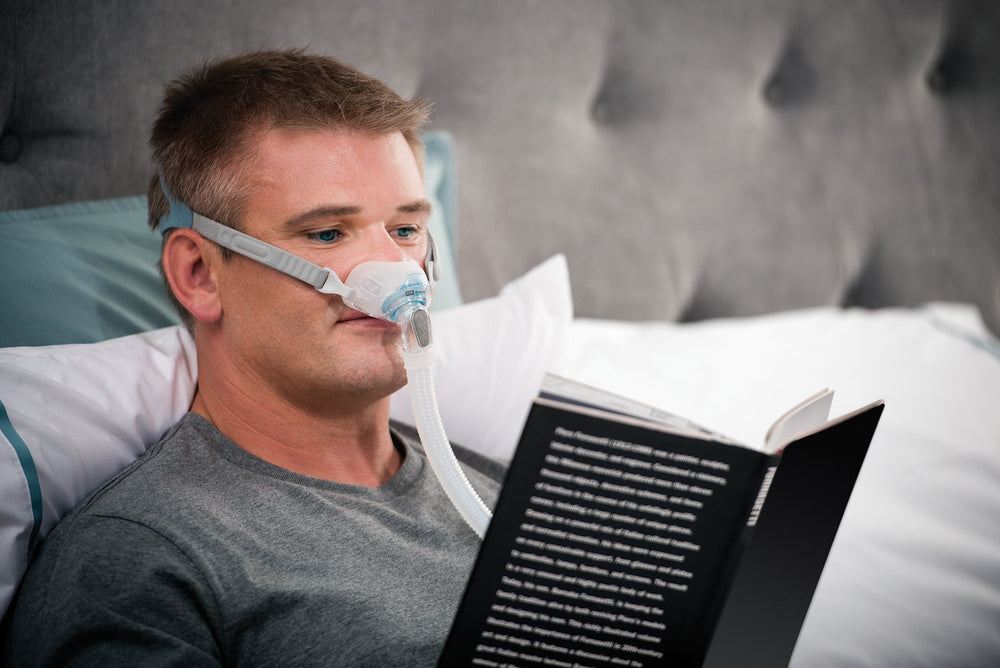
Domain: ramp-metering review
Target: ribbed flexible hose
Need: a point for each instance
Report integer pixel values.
(420, 377)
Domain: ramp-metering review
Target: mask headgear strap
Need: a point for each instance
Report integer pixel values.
(323, 279)
(180, 215)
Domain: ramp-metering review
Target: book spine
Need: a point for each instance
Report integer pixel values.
(739, 542)
(758, 503)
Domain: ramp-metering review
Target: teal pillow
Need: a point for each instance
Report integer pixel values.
(86, 272)
(439, 175)
(79, 273)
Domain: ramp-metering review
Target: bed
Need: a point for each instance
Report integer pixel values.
(714, 207)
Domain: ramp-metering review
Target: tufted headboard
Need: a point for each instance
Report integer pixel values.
(692, 158)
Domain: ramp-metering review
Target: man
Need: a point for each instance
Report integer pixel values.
(282, 521)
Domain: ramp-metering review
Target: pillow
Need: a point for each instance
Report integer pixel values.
(74, 415)
(71, 416)
(913, 578)
(439, 180)
(85, 272)
(490, 357)
(79, 273)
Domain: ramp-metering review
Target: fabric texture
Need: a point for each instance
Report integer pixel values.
(202, 554)
(79, 273)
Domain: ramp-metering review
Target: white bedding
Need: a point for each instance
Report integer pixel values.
(914, 575)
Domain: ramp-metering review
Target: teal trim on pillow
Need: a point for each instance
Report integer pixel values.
(29, 471)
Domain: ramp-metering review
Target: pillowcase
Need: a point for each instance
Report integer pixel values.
(72, 416)
(490, 357)
(913, 578)
(85, 272)
(79, 273)
(439, 181)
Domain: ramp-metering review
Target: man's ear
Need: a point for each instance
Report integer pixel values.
(189, 262)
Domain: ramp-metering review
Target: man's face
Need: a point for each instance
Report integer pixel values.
(336, 199)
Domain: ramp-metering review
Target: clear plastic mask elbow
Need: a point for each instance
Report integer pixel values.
(396, 291)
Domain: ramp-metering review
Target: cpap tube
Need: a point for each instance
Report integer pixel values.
(397, 291)
(418, 358)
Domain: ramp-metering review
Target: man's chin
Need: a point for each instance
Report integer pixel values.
(383, 376)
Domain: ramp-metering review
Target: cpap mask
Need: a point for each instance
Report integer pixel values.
(396, 291)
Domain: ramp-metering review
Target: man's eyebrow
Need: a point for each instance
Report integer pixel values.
(321, 213)
(417, 206)
(328, 212)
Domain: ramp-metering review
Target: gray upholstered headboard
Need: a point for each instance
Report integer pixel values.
(692, 158)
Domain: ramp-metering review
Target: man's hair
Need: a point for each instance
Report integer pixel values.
(208, 125)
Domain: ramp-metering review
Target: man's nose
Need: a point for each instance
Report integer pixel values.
(379, 245)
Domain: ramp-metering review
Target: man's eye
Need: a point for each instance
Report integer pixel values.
(406, 232)
(325, 236)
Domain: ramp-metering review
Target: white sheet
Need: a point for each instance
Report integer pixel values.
(914, 575)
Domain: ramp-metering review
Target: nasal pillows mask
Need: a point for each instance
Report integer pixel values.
(396, 291)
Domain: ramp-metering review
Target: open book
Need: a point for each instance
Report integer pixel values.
(627, 536)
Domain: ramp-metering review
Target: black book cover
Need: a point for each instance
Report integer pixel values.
(617, 543)
(778, 571)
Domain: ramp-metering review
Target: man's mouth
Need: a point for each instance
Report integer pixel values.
(359, 318)
(351, 314)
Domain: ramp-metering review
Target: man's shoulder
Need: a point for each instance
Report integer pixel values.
(155, 476)
(168, 496)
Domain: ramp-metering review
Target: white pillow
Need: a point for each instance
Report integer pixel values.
(913, 579)
(490, 357)
(80, 413)
(75, 415)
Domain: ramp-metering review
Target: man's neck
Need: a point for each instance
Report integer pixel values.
(353, 447)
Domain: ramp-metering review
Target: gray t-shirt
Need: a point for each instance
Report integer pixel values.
(203, 554)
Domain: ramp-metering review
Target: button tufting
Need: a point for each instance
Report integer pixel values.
(937, 79)
(600, 111)
(774, 91)
(10, 148)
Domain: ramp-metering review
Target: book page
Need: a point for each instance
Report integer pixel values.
(806, 416)
(571, 391)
